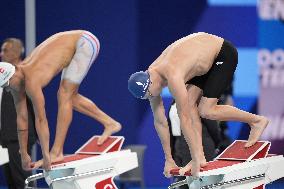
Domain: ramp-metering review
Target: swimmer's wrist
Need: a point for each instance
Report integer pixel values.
(195, 159)
(45, 154)
(169, 158)
(23, 152)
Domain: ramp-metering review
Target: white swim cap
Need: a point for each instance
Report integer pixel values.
(7, 70)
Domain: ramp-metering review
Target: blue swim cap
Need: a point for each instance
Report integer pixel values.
(138, 84)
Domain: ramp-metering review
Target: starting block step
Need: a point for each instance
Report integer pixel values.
(234, 154)
(93, 166)
(237, 167)
(91, 148)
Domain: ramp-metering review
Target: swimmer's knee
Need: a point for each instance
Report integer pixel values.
(63, 94)
(75, 100)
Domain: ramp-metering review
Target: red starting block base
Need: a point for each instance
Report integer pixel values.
(239, 159)
(234, 154)
(91, 149)
(92, 166)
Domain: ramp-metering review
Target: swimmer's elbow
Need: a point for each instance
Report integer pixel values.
(41, 120)
(160, 123)
(184, 118)
(22, 118)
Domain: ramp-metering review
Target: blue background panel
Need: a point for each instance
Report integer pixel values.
(269, 34)
(236, 24)
(232, 2)
(246, 80)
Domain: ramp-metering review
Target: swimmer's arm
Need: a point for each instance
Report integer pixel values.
(36, 95)
(161, 125)
(178, 90)
(22, 120)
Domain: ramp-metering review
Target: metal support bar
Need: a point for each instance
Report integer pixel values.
(226, 183)
(33, 178)
(30, 25)
(100, 171)
(231, 182)
(177, 184)
(41, 175)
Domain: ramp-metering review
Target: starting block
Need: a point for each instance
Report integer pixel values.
(4, 155)
(91, 167)
(237, 168)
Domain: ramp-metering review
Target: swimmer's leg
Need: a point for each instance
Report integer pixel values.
(89, 108)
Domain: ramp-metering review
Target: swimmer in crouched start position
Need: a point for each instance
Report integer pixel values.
(196, 69)
(73, 53)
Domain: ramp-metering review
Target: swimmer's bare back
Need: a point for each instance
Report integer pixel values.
(192, 55)
(51, 56)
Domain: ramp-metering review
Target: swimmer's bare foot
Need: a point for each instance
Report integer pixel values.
(109, 130)
(257, 129)
(193, 167)
(54, 158)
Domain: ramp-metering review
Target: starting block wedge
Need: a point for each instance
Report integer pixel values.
(92, 166)
(112, 144)
(238, 168)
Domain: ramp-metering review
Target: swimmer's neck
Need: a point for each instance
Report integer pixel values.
(17, 81)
